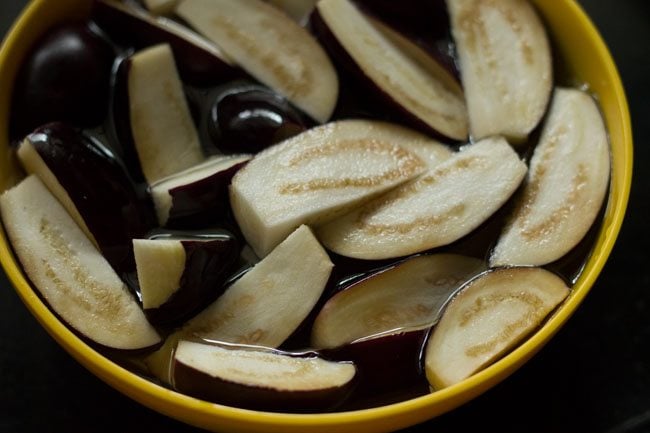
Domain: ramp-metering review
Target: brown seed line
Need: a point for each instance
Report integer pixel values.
(207, 328)
(411, 189)
(204, 329)
(108, 304)
(563, 212)
(471, 22)
(536, 177)
(293, 85)
(483, 303)
(302, 367)
(531, 194)
(389, 317)
(407, 165)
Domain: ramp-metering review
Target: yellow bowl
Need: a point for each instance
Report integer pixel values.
(587, 59)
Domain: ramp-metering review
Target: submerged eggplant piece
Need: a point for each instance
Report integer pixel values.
(389, 368)
(179, 276)
(257, 378)
(266, 305)
(435, 209)
(408, 295)
(248, 117)
(199, 61)
(316, 176)
(409, 78)
(487, 319)
(164, 134)
(93, 186)
(566, 185)
(66, 78)
(505, 65)
(197, 196)
(70, 273)
(271, 47)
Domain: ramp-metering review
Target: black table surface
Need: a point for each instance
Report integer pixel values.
(594, 376)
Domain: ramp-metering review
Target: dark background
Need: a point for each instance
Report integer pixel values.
(594, 376)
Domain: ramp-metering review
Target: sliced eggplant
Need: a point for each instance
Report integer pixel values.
(271, 47)
(299, 10)
(270, 301)
(322, 174)
(423, 57)
(93, 186)
(199, 61)
(487, 319)
(566, 185)
(177, 277)
(160, 267)
(165, 137)
(69, 272)
(424, 23)
(408, 295)
(437, 208)
(505, 64)
(197, 196)
(262, 379)
(416, 84)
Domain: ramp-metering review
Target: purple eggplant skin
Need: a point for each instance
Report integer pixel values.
(196, 66)
(426, 24)
(193, 382)
(202, 203)
(115, 208)
(64, 78)
(118, 122)
(371, 95)
(245, 117)
(208, 265)
(389, 369)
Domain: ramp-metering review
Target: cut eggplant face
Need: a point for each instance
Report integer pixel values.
(268, 303)
(566, 185)
(323, 173)
(407, 296)
(382, 55)
(165, 137)
(488, 318)
(69, 272)
(271, 47)
(260, 379)
(505, 63)
(196, 196)
(178, 276)
(160, 265)
(200, 62)
(299, 10)
(97, 192)
(436, 209)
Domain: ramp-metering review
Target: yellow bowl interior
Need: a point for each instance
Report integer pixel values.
(587, 59)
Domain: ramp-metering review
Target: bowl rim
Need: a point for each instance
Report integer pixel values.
(166, 401)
